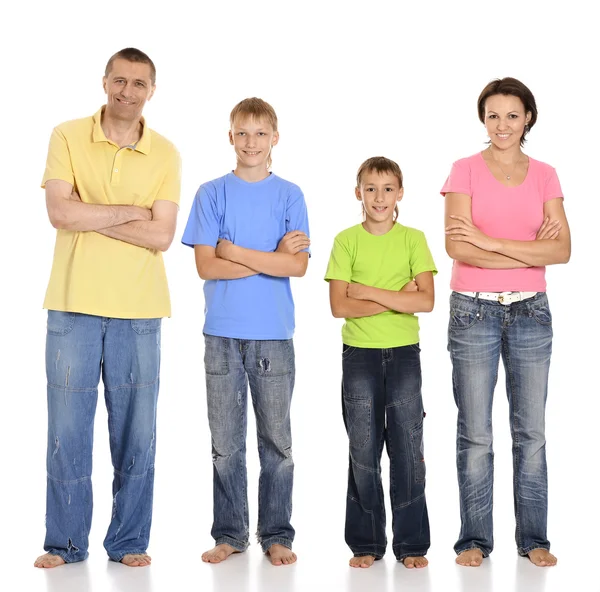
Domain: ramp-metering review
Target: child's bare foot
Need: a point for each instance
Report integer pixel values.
(470, 558)
(136, 560)
(49, 560)
(280, 555)
(218, 553)
(365, 561)
(542, 558)
(411, 562)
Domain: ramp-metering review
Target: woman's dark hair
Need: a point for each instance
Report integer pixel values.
(509, 86)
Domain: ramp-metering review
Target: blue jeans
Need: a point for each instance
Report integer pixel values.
(127, 352)
(268, 366)
(480, 332)
(382, 403)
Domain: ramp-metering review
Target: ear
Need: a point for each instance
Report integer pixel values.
(528, 117)
(104, 82)
(275, 139)
(230, 138)
(358, 193)
(400, 194)
(151, 92)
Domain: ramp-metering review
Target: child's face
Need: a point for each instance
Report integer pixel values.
(252, 140)
(379, 193)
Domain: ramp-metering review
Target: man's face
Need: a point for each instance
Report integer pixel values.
(128, 86)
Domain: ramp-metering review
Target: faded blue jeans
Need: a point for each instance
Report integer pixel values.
(79, 348)
(480, 333)
(268, 367)
(382, 404)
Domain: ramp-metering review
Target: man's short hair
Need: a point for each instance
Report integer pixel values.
(131, 54)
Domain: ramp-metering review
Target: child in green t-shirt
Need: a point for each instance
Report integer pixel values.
(380, 273)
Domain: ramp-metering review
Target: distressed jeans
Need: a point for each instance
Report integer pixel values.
(480, 333)
(382, 403)
(268, 367)
(79, 348)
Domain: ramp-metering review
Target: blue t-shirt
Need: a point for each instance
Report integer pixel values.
(255, 216)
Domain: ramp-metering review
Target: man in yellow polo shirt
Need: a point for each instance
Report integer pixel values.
(112, 192)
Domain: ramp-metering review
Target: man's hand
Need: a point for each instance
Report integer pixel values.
(410, 287)
(549, 230)
(293, 242)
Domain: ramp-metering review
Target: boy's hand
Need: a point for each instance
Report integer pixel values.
(224, 247)
(357, 291)
(548, 230)
(293, 242)
(410, 287)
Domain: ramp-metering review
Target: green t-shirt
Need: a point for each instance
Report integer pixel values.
(389, 262)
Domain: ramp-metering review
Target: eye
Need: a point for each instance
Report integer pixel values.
(370, 189)
(513, 116)
(492, 116)
(389, 189)
(140, 84)
(262, 134)
(241, 133)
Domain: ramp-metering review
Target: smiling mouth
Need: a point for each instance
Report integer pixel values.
(124, 102)
(380, 209)
(503, 136)
(251, 153)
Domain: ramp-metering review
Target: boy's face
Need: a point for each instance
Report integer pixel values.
(379, 193)
(252, 140)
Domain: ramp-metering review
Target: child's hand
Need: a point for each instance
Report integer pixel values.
(223, 248)
(410, 287)
(357, 291)
(293, 242)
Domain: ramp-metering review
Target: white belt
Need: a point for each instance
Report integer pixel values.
(501, 297)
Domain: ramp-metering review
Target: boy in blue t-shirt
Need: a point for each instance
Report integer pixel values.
(249, 230)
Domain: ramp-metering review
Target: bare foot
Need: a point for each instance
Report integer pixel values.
(136, 560)
(470, 558)
(280, 555)
(365, 561)
(411, 562)
(49, 560)
(218, 553)
(542, 558)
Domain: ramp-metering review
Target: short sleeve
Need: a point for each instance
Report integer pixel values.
(552, 188)
(421, 259)
(459, 179)
(58, 162)
(296, 216)
(340, 262)
(171, 186)
(203, 223)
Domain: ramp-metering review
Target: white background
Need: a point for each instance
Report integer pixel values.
(348, 81)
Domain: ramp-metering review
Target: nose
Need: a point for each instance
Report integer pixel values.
(250, 141)
(502, 124)
(127, 89)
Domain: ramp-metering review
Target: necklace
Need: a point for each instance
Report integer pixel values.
(503, 171)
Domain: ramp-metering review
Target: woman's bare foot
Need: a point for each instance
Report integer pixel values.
(542, 558)
(49, 560)
(136, 560)
(280, 555)
(411, 562)
(470, 558)
(218, 553)
(365, 561)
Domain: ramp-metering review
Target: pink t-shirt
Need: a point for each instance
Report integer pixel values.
(514, 213)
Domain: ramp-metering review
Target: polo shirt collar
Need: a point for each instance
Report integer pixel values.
(143, 144)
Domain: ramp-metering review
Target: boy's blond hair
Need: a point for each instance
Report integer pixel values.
(380, 164)
(255, 108)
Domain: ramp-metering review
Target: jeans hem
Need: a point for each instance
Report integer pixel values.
(377, 551)
(227, 540)
(266, 544)
(524, 552)
(417, 552)
(483, 551)
(119, 556)
(66, 556)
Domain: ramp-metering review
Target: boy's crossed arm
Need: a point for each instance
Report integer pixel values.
(352, 301)
(228, 261)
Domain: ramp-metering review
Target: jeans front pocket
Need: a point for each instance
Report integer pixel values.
(463, 318)
(348, 351)
(358, 421)
(145, 326)
(541, 313)
(60, 323)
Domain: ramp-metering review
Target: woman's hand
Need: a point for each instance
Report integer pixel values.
(463, 230)
(549, 230)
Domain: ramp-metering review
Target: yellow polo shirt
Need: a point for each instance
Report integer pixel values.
(92, 273)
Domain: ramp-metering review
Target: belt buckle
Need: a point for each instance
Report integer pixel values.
(505, 296)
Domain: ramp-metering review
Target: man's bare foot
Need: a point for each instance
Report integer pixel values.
(542, 558)
(470, 558)
(49, 560)
(280, 555)
(218, 553)
(136, 560)
(365, 561)
(411, 562)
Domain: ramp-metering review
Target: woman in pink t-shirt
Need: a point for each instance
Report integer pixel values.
(504, 223)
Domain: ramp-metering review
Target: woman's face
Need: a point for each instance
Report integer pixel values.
(505, 120)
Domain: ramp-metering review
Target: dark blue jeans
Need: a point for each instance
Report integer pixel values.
(480, 333)
(268, 366)
(79, 348)
(382, 403)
